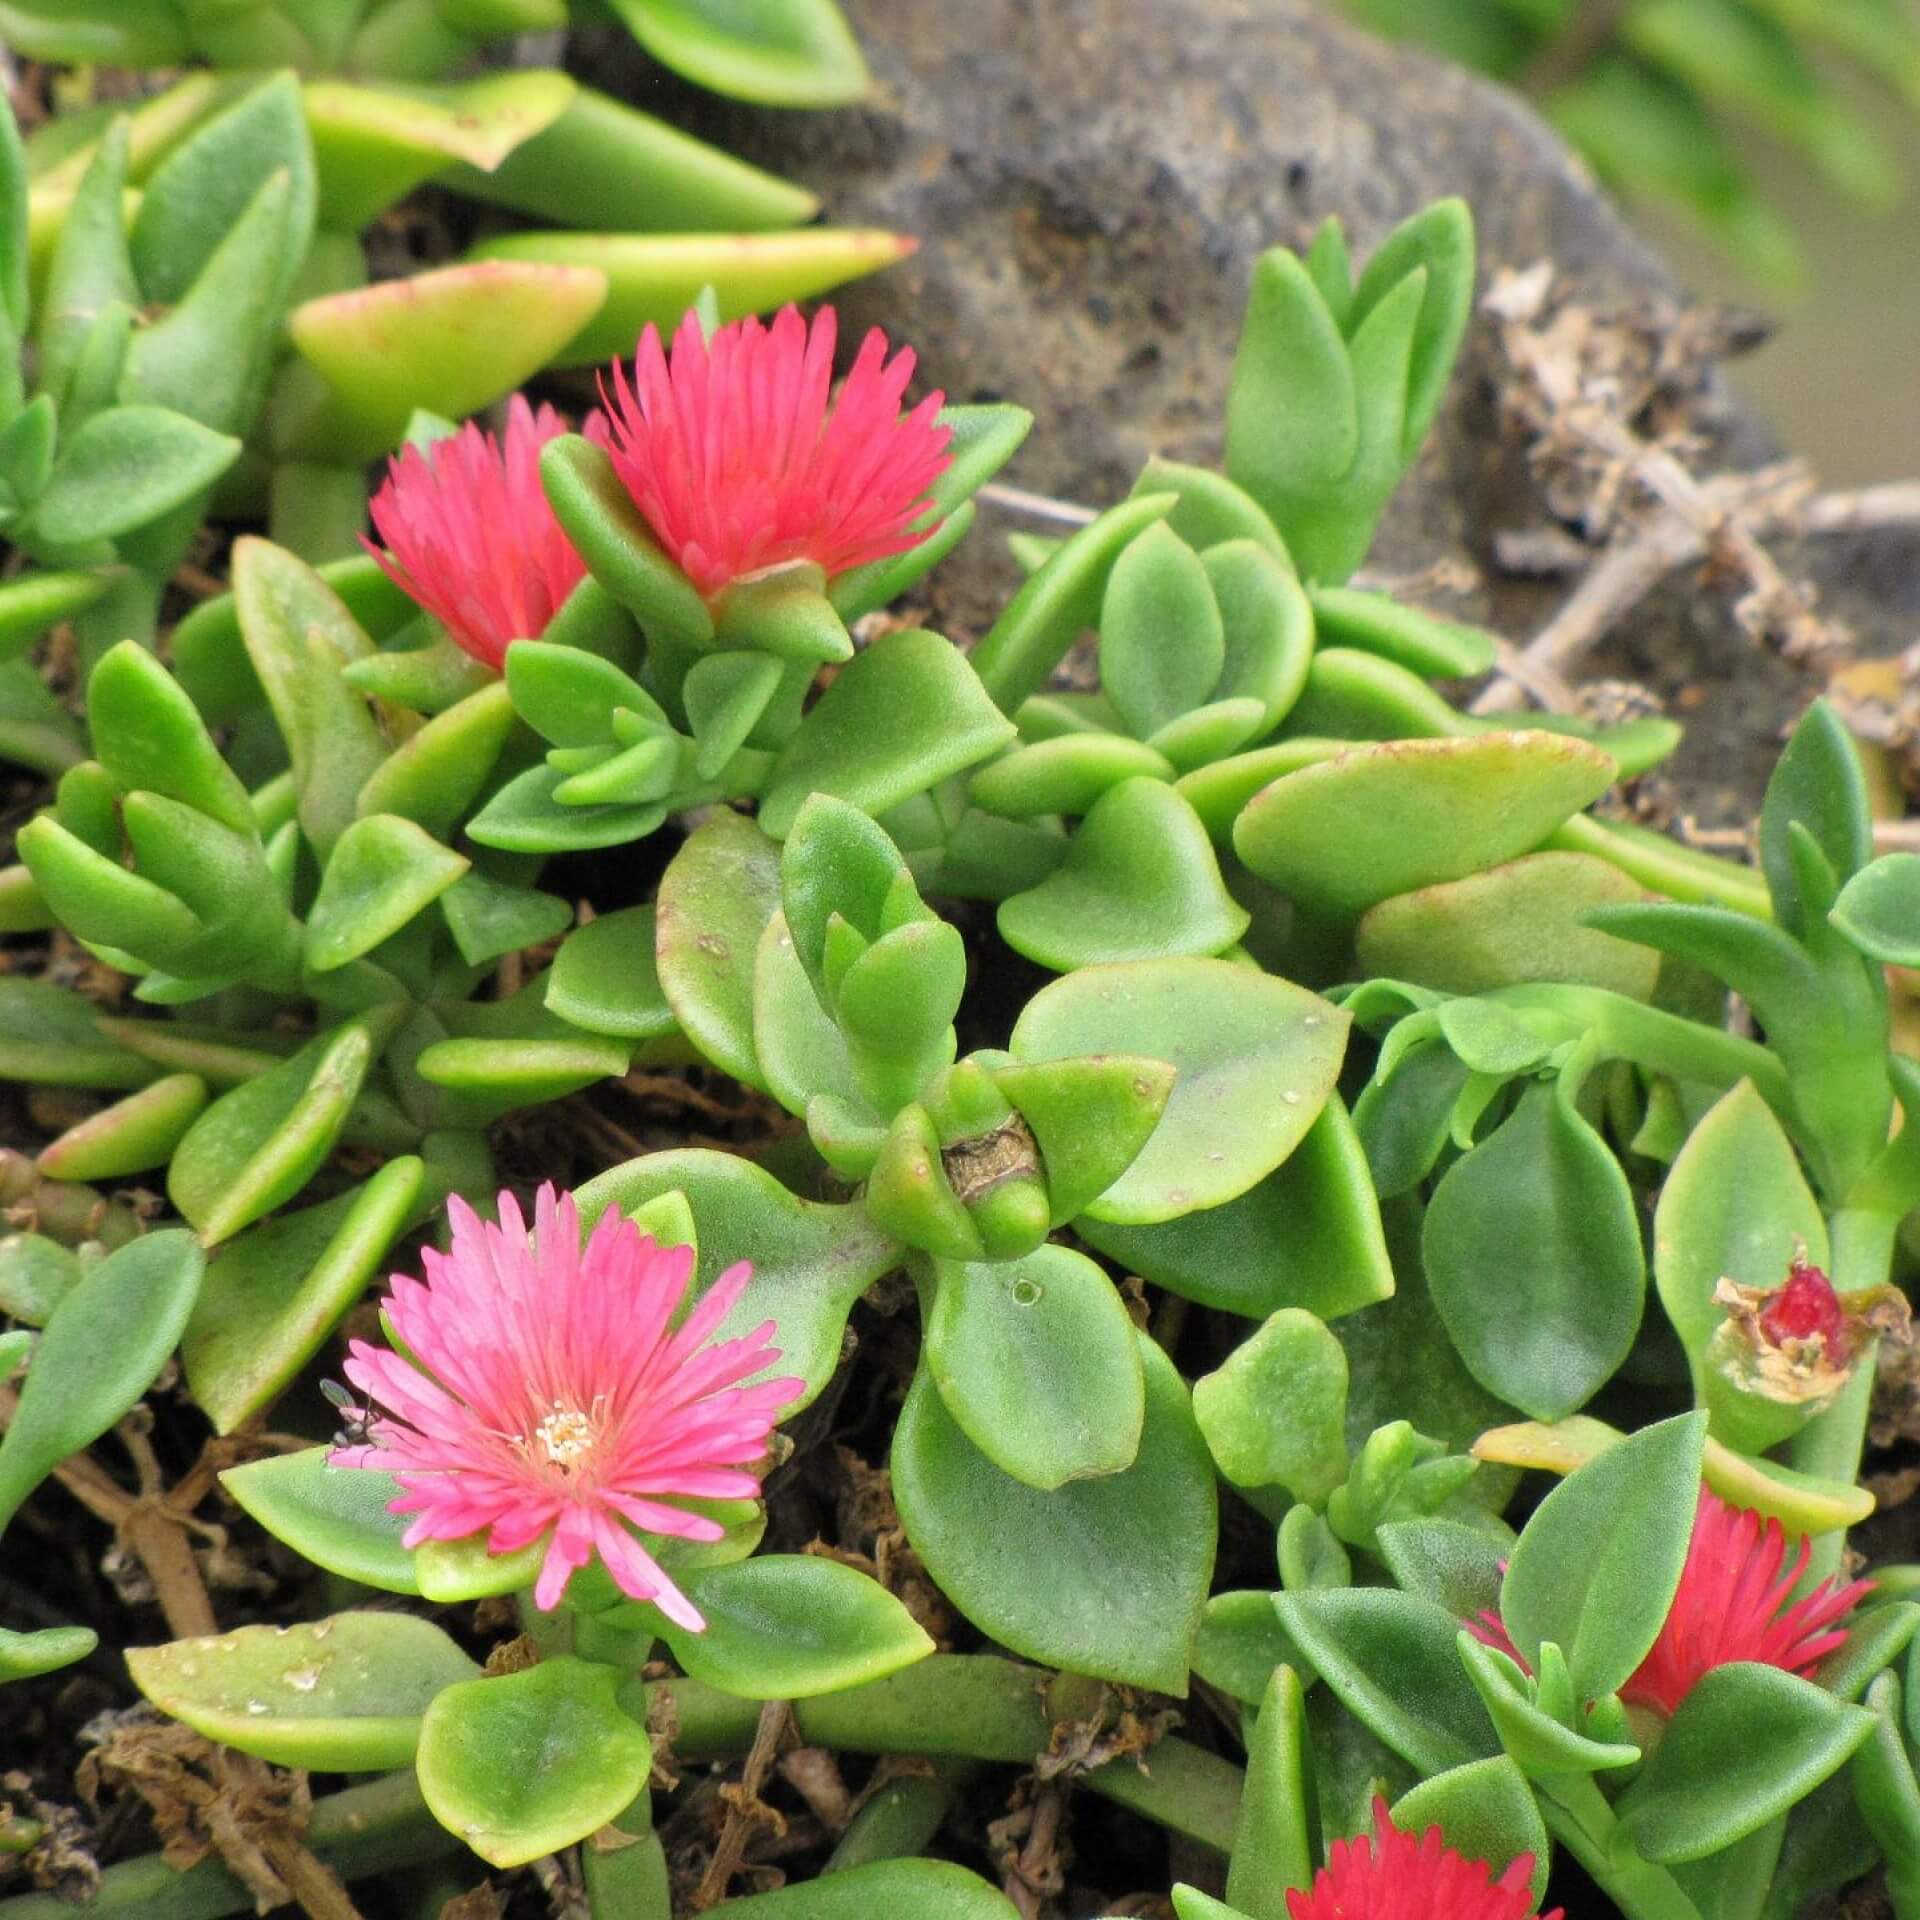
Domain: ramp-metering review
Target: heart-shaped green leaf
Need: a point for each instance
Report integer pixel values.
(343, 1694)
(527, 1763)
(898, 719)
(1275, 1411)
(1105, 1576)
(1037, 1363)
(383, 870)
(1140, 882)
(1256, 1058)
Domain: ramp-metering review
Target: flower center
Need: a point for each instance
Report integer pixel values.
(565, 1436)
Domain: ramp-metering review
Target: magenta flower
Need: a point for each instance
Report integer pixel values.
(470, 535)
(1734, 1602)
(551, 1396)
(1391, 1875)
(740, 460)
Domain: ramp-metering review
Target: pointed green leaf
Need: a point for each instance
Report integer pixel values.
(383, 870)
(103, 1347)
(337, 1517)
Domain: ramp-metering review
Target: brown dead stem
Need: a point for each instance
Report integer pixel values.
(1603, 401)
(208, 1800)
(747, 1814)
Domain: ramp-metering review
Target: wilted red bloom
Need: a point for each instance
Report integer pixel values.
(471, 536)
(1390, 1875)
(550, 1397)
(1733, 1603)
(740, 460)
(1807, 1308)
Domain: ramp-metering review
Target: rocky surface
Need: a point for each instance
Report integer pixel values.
(1092, 180)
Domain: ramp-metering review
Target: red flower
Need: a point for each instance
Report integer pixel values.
(1733, 1603)
(471, 537)
(740, 461)
(1390, 1875)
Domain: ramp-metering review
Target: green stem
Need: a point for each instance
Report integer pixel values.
(1580, 1819)
(1861, 1250)
(965, 1706)
(902, 1817)
(374, 1829)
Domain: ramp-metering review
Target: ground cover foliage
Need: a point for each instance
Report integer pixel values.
(1326, 1282)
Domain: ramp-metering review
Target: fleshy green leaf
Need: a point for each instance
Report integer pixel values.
(1392, 1661)
(1383, 819)
(1307, 1235)
(1596, 1568)
(271, 1297)
(1038, 1365)
(343, 1694)
(898, 719)
(1256, 1060)
(1747, 1743)
(337, 1517)
(1140, 882)
(715, 900)
(1547, 1331)
(125, 467)
(103, 1347)
(786, 1626)
(256, 1147)
(1274, 1412)
(527, 1763)
(1105, 1576)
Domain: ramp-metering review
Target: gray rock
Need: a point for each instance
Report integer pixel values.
(1091, 181)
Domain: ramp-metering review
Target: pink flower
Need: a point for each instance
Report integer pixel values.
(471, 536)
(1390, 1875)
(550, 1396)
(1733, 1603)
(740, 461)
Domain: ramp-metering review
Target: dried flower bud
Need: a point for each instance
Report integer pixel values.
(1783, 1353)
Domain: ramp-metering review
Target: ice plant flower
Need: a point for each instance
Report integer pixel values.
(552, 1396)
(470, 536)
(1393, 1875)
(740, 459)
(1734, 1602)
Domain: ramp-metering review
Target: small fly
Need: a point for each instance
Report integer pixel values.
(356, 1421)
